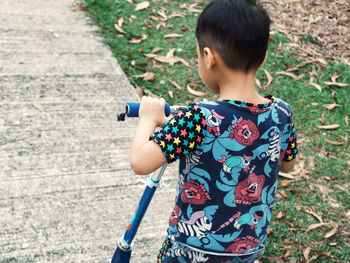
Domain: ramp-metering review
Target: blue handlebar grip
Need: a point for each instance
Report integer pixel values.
(132, 109)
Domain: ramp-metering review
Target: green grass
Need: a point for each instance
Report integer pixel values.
(325, 185)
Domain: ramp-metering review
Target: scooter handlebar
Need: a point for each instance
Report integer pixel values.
(132, 109)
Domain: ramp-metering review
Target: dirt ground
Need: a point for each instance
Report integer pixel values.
(318, 29)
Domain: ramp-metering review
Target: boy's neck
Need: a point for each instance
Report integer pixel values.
(236, 85)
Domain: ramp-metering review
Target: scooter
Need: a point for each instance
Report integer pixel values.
(123, 251)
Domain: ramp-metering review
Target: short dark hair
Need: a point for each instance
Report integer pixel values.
(238, 30)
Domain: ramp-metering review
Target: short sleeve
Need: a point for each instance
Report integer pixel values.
(292, 149)
(182, 134)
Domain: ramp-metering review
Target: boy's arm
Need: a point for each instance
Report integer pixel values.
(146, 156)
(287, 166)
(290, 156)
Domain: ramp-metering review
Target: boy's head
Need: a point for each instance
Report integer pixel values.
(238, 30)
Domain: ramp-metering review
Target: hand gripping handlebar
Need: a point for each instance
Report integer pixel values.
(132, 110)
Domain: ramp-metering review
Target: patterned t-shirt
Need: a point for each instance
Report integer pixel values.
(230, 153)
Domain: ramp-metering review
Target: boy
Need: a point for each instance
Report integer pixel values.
(230, 150)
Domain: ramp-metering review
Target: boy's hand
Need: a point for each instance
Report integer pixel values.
(145, 155)
(153, 110)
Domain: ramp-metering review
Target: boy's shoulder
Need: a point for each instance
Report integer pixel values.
(221, 108)
(216, 108)
(282, 106)
(281, 103)
(277, 102)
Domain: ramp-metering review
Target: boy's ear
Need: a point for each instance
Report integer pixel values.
(209, 58)
(262, 63)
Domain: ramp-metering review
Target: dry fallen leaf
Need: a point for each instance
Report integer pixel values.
(169, 58)
(333, 231)
(171, 94)
(289, 74)
(281, 214)
(331, 106)
(142, 5)
(195, 92)
(183, 61)
(329, 127)
(37, 105)
(194, 83)
(336, 143)
(170, 53)
(315, 215)
(316, 86)
(192, 8)
(157, 66)
(298, 208)
(296, 171)
(322, 119)
(156, 49)
(335, 76)
(328, 255)
(335, 84)
(158, 19)
(148, 25)
(301, 141)
(138, 40)
(306, 253)
(346, 120)
(176, 14)
(175, 84)
(327, 178)
(120, 21)
(284, 194)
(146, 76)
(314, 226)
(185, 29)
(285, 183)
(116, 26)
(173, 35)
(319, 60)
(162, 14)
(269, 79)
(292, 69)
(258, 83)
(287, 254)
(284, 248)
(312, 259)
(162, 59)
(280, 46)
(286, 175)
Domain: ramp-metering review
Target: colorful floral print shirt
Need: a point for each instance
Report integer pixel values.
(230, 153)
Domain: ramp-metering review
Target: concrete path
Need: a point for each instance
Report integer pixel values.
(66, 188)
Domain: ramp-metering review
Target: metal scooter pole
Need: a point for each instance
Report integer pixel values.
(122, 253)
